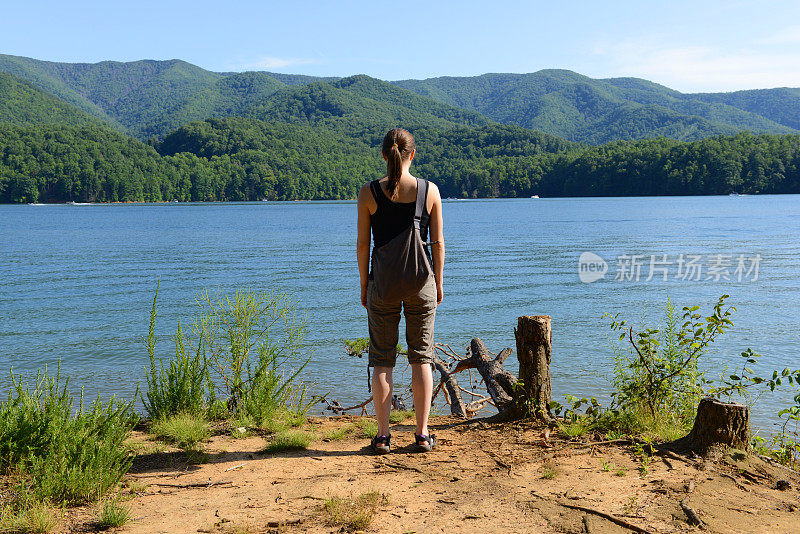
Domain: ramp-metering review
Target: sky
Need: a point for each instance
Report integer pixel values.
(692, 46)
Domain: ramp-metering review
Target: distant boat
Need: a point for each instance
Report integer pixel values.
(734, 194)
(36, 204)
(534, 196)
(79, 203)
(176, 200)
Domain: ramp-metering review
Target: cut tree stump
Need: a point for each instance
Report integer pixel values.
(534, 352)
(717, 424)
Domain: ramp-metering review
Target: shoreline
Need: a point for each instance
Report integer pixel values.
(482, 478)
(350, 200)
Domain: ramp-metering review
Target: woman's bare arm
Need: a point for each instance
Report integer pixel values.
(437, 238)
(365, 200)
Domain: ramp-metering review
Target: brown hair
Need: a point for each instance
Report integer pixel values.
(397, 147)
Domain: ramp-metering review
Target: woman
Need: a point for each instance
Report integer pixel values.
(392, 208)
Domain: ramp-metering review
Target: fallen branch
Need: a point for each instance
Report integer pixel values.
(208, 484)
(235, 467)
(278, 524)
(694, 519)
(614, 519)
(451, 387)
(336, 408)
(604, 515)
(499, 382)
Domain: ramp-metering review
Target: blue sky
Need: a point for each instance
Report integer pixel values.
(687, 45)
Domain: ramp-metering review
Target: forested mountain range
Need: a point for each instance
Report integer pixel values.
(25, 104)
(168, 130)
(151, 98)
(579, 108)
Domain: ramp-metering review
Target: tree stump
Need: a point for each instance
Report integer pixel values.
(717, 424)
(534, 352)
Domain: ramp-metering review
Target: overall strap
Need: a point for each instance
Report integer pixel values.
(375, 187)
(422, 197)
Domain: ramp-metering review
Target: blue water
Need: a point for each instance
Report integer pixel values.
(77, 282)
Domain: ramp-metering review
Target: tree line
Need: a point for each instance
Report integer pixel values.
(238, 159)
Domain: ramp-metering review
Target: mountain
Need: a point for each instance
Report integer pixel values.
(151, 98)
(579, 108)
(781, 105)
(144, 98)
(360, 104)
(24, 104)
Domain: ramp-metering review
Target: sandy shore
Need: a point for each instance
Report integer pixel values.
(481, 478)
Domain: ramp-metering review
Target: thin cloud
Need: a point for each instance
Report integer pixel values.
(703, 68)
(271, 63)
(785, 36)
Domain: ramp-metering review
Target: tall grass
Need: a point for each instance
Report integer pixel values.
(256, 344)
(184, 429)
(35, 519)
(58, 453)
(181, 386)
(249, 346)
(113, 514)
(353, 514)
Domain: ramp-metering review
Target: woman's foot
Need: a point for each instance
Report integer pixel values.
(425, 443)
(381, 444)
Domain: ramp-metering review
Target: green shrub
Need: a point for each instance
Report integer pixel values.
(289, 440)
(398, 416)
(184, 429)
(256, 345)
(181, 386)
(369, 427)
(252, 343)
(660, 368)
(350, 514)
(60, 455)
(337, 434)
(113, 515)
(35, 519)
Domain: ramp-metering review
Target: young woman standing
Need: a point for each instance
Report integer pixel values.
(399, 210)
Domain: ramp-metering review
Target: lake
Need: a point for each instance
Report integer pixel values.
(77, 282)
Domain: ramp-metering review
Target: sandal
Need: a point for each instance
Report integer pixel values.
(425, 443)
(381, 444)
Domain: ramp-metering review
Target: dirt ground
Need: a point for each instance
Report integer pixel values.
(481, 478)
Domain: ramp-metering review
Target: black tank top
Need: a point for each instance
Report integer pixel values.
(391, 218)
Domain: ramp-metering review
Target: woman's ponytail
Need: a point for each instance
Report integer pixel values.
(397, 146)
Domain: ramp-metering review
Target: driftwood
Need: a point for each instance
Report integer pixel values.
(448, 381)
(499, 382)
(533, 347)
(717, 424)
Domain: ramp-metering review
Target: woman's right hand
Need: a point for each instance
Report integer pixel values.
(439, 293)
(364, 296)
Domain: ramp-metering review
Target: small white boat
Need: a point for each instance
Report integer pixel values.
(534, 196)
